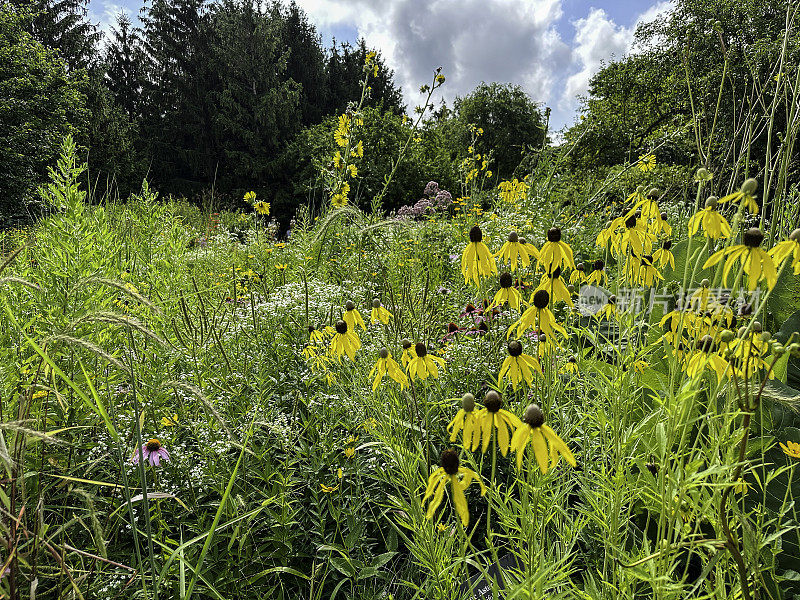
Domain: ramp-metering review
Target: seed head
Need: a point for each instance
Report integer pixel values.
(706, 343)
(421, 349)
(406, 343)
(749, 186)
(580, 267)
(349, 305)
(599, 265)
(541, 299)
(449, 461)
(492, 401)
(757, 327)
(310, 329)
(653, 193)
(376, 303)
(475, 235)
(630, 222)
(711, 202)
(667, 244)
(384, 353)
(795, 236)
(468, 402)
(533, 416)
(341, 327)
(513, 237)
(153, 445)
(554, 235)
(506, 280)
(753, 237)
(452, 328)
(514, 348)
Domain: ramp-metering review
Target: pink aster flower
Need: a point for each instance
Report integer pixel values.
(152, 451)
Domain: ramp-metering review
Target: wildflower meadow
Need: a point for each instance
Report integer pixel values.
(531, 385)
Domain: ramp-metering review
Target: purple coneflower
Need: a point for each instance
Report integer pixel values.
(152, 451)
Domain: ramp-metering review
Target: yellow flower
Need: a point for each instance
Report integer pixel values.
(408, 353)
(552, 282)
(791, 449)
(538, 315)
(349, 452)
(379, 314)
(344, 341)
(789, 248)
(506, 294)
(424, 364)
(476, 260)
(170, 421)
(353, 170)
(609, 311)
(706, 358)
(555, 253)
(315, 335)
(281, 266)
(514, 250)
(464, 421)
(533, 430)
(757, 263)
(647, 162)
(262, 207)
(460, 479)
(493, 416)
(598, 275)
(328, 489)
(518, 366)
(352, 317)
(512, 191)
(250, 197)
(663, 256)
(387, 365)
(578, 274)
(715, 226)
(745, 195)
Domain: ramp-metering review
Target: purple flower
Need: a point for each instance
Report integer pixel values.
(152, 451)
(422, 207)
(431, 189)
(443, 199)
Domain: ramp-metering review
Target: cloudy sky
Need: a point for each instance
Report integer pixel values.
(550, 47)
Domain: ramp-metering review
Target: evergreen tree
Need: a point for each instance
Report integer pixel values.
(305, 63)
(124, 60)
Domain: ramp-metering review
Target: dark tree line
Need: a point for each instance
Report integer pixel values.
(199, 94)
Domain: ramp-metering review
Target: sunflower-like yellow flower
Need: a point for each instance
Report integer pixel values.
(518, 367)
(757, 262)
(512, 191)
(460, 479)
(493, 416)
(706, 358)
(598, 275)
(464, 421)
(514, 251)
(578, 274)
(316, 336)
(250, 197)
(609, 311)
(553, 283)
(663, 256)
(555, 253)
(408, 353)
(352, 317)
(647, 162)
(640, 270)
(262, 207)
(476, 260)
(534, 430)
(745, 353)
(538, 316)
(788, 249)
(791, 449)
(715, 226)
(745, 196)
(387, 365)
(423, 364)
(344, 341)
(506, 294)
(634, 236)
(379, 314)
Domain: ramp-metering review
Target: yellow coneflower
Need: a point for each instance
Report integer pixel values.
(634, 236)
(640, 270)
(663, 256)
(352, 317)
(578, 274)
(571, 366)
(476, 260)
(706, 358)
(379, 314)
(538, 315)
(757, 263)
(514, 251)
(424, 364)
(533, 430)
(316, 336)
(745, 195)
(408, 352)
(460, 479)
(791, 449)
(552, 282)
(387, 365)
(518, 367)
(555, 253)
(609, 311)
(262, 207)
(493, 416)
(464, 421)
(598, 275)
(506, 294)
(715, 226)
(787, 249)
(250, 197)
(344, 341)
(647, 162)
